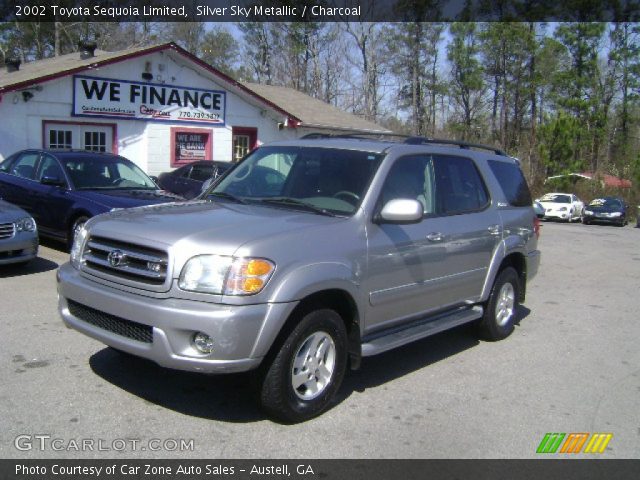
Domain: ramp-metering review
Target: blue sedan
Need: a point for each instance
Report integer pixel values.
(63, 189)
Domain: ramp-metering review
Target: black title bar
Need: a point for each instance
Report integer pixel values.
(320, 10)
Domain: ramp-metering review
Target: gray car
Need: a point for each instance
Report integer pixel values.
(18, 235)
(306, 257)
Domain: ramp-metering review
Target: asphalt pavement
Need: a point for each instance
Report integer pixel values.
(571, 365)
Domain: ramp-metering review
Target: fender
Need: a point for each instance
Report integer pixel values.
(509, 245)
(299, 284)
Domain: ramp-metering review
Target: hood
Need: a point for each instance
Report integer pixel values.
(127, 198)
(9, 212)
(203, 227)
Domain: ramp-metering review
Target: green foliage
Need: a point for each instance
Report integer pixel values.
(559, 141)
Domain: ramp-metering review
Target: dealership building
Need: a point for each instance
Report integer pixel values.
(159, 106)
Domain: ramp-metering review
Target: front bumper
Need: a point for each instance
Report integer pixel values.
(236, 330)
(600, 219)
(553, 214)
(20, 248)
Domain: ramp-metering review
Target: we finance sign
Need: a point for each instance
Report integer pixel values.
(102, 97)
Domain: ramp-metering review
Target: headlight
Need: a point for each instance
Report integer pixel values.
(225, 275)
(562, 209)
(588, 212)
(615, 214)
(26, 224)
(77, 247)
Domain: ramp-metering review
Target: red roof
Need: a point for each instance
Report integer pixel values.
(609, 180)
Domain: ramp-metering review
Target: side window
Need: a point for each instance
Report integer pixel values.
(459, 184)
(413, 178)
(49, 167)
(202, 172)
(5, 165)
(512, 181)
(185, 172)
(25, 166)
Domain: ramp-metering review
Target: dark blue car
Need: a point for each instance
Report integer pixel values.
(63, 189)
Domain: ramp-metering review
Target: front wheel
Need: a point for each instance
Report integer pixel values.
(308, 369)
(499, 316)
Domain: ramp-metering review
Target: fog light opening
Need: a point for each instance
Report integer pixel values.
(203, 342)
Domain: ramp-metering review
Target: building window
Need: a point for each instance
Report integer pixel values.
(240, 147)
(95, 137)
(60, 139)
(245, 139)
(189, 145)
(95, 141)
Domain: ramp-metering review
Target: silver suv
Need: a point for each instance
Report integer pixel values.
(307, 256)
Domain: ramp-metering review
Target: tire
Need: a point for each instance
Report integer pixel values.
(585, 221)
(77, 224)
(501, 309)
(320, 331)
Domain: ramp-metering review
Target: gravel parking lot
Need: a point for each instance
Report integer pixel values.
(572, 365)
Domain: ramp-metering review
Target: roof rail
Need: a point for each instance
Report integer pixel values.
(406, 139)
(442, 141)
(361, 136)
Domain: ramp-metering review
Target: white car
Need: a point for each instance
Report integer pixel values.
(561, 206)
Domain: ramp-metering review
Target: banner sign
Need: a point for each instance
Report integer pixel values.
(190, 146)
(107, 97)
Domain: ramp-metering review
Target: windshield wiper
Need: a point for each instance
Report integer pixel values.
(291, 202)
(227, 196)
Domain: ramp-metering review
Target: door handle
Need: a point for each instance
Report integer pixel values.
(435, 237)
(494, 229)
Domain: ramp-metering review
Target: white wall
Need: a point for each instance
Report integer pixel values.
(145, 143)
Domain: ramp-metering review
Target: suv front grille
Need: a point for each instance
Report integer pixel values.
(126, 261)
(7, 230)
(119, 326)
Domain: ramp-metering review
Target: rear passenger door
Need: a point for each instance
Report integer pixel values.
(440, 261)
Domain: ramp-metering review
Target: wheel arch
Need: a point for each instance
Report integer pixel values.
(501, 260)
(337, 299)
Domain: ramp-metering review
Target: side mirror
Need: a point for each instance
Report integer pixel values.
(401, 210)
(53, 181)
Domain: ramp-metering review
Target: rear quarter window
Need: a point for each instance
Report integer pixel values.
(512, 182)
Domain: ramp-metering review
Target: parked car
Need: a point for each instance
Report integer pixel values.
(539, 209)
(187, 181)
(606, 210)
(561, 206)
(18, 235)
(63, 189)
(308, 255)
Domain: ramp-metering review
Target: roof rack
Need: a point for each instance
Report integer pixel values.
(442, 141)
(406, 139)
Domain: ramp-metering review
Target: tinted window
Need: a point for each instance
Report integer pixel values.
(25, 166)
(6, 163)
(202, 172)
(459, 185)
(411, 178)
(50, 168)
(513, 183)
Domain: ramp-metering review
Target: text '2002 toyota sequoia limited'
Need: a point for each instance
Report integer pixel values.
(307, 256)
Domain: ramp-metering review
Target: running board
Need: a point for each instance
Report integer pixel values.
(387, 340)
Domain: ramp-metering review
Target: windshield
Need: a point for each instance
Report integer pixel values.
(606, 203)
(556, 198)
(108, 172)
(317, 180)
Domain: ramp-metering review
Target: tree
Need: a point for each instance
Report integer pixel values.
(221, 50)
(467, 85)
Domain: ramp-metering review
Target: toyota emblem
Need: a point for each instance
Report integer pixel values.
(116, 258)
